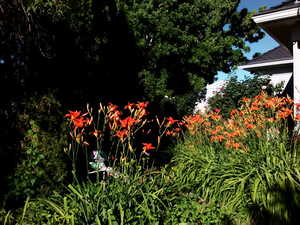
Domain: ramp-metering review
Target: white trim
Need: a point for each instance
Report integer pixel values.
(274, 63)
(276, 15)
(296, 77)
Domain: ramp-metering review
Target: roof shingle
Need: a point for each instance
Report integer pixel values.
(277, 54)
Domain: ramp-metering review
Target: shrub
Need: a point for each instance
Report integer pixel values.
(41, 166)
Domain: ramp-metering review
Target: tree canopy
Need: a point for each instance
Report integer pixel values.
(142, 49)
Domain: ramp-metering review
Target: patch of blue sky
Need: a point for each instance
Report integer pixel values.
(262, 46)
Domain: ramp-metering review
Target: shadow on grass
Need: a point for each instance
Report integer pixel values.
(283, 208)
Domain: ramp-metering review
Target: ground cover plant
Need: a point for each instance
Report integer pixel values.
(240, 170)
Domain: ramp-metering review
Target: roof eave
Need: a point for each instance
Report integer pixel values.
(277, 15)
(263, 65)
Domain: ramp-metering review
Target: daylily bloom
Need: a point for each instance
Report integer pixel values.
(216, 117)
(245, 100)
(207, 124)
(97, 133)
(250, 126)
(121, 134)
(73, 115)
(218, 138)
(147, 147)
(254, 108)
(80, 122)
(236, 145)
(129, 106)
(127, 122)
(213, 132)
(142, 105)
(112, 107)
(284, 113)
(233, 113)
(115, 115)
(170, 121)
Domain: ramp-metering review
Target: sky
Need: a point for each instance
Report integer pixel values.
(262, 46)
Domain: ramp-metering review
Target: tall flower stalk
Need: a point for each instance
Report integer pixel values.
(116, 136)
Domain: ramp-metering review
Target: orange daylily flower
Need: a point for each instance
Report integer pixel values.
(213, 132)
(170, 121)
(233, 113)
(297, 105)
(127, 122)
(129, 106)
(232, 144)
(115, 115)
(169, 133)
(112, 107)
(284, 113)
(147, 147)
(73, 115)
(245, 100)
(194, 119)
(218, 128)
(121, 134)
(142, 105)
(236, 145)
(254, 108)
(97, 133)
(250, 126)
(80, 122)
(216, 117)
(289, 100)
(218, 138)
(207, 124)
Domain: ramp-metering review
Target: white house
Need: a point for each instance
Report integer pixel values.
(211, 90)
(282, 23)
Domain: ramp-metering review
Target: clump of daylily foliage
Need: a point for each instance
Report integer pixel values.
(247, 162)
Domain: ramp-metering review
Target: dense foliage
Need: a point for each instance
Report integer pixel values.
(149, 49)
(40, 165)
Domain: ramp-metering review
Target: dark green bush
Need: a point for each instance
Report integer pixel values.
(41, 164)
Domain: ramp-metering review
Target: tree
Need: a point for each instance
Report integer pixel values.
(229, 97)
(185, 43)
(154, 48)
